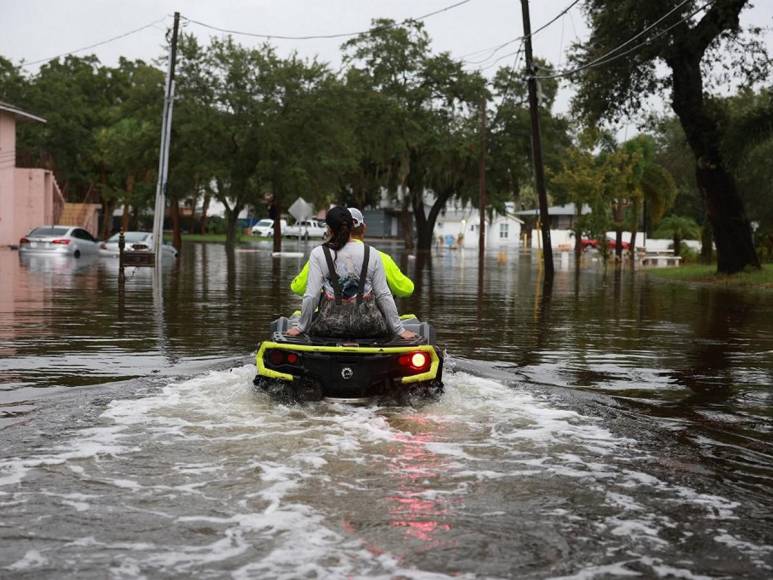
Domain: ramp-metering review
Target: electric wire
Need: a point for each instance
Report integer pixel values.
(607, 57)
(95, 45)
(322, 36)
(497, 48)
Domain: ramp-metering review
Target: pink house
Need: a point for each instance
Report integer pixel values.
(28, 197)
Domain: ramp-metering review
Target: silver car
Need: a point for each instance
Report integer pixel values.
(58, 240)
(135, 242)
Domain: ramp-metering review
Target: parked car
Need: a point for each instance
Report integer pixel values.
(60, 240)
(265, 227)
(135, 242)
(305, 229)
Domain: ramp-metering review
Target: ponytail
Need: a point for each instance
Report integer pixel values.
(339, 237)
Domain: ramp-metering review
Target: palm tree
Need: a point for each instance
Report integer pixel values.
(678, 228)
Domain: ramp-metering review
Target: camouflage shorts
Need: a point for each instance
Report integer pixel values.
(349, 320)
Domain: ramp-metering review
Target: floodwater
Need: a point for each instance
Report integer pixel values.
(615, 426)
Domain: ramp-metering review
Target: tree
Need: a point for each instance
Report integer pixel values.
(679, 228)
(581, 180)
(618, 86)
(74, 96)
(648, 184)
(509, 172)
(126, 146)
(433, 99)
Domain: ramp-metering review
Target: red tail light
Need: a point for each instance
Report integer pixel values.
(416, 361)
(23, 241)
(61, 242)
(279, 357)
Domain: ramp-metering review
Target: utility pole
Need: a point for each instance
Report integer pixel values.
(536, 146)
(482, 201)
(163, 158)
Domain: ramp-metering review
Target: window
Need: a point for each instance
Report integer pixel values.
(52, 231)
(504, 231)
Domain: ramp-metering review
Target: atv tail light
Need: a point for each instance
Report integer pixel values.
(62, 242)
(279, 357)
(416, 361)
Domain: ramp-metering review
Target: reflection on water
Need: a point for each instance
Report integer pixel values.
(608, 424)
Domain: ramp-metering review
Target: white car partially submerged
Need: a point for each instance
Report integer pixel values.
(58, 240)
(305, 229)
(265, 228)
(135, 242)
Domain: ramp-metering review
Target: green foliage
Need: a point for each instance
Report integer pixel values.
(432, 104)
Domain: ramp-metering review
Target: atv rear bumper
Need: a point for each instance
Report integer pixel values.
(349, 371)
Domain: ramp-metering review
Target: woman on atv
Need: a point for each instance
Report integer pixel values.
(347, 288)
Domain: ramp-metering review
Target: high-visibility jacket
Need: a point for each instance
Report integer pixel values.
(400, 284)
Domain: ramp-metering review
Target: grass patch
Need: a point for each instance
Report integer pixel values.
(707, 274)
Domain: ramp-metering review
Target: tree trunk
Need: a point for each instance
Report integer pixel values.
(203, 218)
(677, 244)
(724, 206)
(231, 220)
(107, 218)
(177, 240)
(125, 218)
(425, 225)
(275, 211)
(632, 247)
(707, 251)
(619, 215)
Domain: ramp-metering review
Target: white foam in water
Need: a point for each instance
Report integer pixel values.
(32, 559)
(252, 469)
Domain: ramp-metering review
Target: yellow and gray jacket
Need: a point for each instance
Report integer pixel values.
(400, 284)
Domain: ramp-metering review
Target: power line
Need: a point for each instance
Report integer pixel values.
(607, 57)
(323, 36)
(497, 48)
(114, 38)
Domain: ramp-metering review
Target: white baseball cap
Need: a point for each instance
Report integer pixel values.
(357, 217)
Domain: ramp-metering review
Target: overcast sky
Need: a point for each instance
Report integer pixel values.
(38, 29)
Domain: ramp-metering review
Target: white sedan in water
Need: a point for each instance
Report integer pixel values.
(135, 242)
(58, 240)
(305, 229)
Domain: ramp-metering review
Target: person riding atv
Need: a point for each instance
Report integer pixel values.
(347, 294)
(400, 284)
(348, 340)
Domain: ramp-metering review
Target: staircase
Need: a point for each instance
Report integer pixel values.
(85, 215)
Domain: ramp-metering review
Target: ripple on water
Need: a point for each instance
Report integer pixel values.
(489, 480)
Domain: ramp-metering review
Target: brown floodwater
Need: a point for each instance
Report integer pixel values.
(614, 424)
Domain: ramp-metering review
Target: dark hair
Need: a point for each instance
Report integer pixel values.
(340, 222)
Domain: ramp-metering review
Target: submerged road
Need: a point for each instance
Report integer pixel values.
(619, 426)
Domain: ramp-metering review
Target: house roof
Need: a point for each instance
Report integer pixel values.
(566, 209)
(19, 113)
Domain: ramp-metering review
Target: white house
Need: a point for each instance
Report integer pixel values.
(459, 218)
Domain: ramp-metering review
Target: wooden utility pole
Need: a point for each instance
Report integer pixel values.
(482, 201)
(163, 158)
(536, 146)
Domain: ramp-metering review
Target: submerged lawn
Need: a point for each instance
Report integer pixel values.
(707, 274)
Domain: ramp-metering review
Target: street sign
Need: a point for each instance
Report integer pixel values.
(301, 209)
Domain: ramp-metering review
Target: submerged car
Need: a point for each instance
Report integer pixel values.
(307, 368)
(305, 229)
(265, 227)
(135, 242)
(58, 240)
